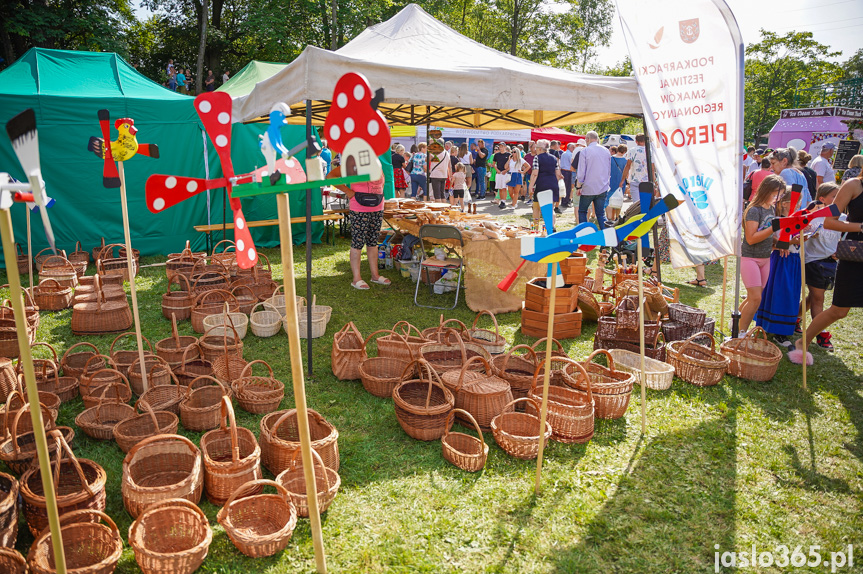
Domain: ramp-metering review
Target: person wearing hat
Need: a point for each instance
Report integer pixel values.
(823, 166)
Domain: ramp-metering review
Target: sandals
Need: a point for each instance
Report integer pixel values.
(361, 285)
(381, 280)
(697, 282)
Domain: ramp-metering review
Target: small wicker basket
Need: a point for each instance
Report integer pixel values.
(463, 450)
(327, 483)
(518, 434)
(232, 457)
(259, 524)
(171, 537)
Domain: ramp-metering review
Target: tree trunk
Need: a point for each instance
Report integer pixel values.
(334, 43)
(201, 48)
(513, 45)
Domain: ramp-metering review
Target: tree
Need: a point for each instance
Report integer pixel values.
(581, 29)
(779, 67)
(854, 66)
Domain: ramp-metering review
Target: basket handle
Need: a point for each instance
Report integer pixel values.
(53, 352)
(746, 341)
(160, 437)
(107, 370)
(172, 503)
(129, 334)
(183, 361)
(202, 298)
(512, 352)
(289, 412)
(266, 260)
(401, 338)
(105, 389)
(13, 430)
(64, 263)
(176, 278)
(464, 369)
(406, 329)
(225, 276)
(553, 341)
(316, 458)
(75, 514)
(228, 241)
(193, 386)
(449, 422)
(149, 411)
(57, 286)
(157, 362)
(608, 358)
(227, 412)
(62, 446)
(106, 358)
(493, 318)
(247, 288)
(524, 399)
(253, 485)
(249, 368)
(690, 342)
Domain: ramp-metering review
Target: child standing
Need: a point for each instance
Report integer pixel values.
(757, 245)
(458, 186)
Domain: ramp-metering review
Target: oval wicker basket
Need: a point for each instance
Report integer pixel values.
(658, 374)
(89, 547)
(18, 450)
(98, 422)
(279, 438)
(570, 412)
(73, 363)
(158, 374)
(172, 348)
(391, 346)
(347, 353)
(447, 356)
(215, 346)
(462, 450)
(50, 295)
(258, 395)
(266, 323)
(245, 297)
(232, 457)
(219, 323)
(612, 389)
(422, 405)
(517, 433)
(161, 467)
(696, 364)
(259, 524)
(209, 303)
(199, 410)
(483, 395)
(327, 483)
(517, 370)
(177, 303)
(190, 369)
(381, 374)
(171, 537)
(123, 358)
(135, 429)
(493, 341)
(752, 358)
(18, 399)
(119, 392)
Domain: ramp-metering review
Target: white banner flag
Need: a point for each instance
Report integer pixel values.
(687, 56)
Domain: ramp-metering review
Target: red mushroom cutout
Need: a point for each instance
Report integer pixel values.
(354, 116)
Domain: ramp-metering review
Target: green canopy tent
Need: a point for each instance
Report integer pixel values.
(66, 88)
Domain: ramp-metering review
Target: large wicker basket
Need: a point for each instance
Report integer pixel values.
(451, 356)
(50, 295)
(752, 358)
(280, 438)
(696, 364)
(482, 394)
(392, 346)
(381, 374)
(348, 352)
(161, 467)
(258, 395)
(327, 483)
(259, 524)
(171, 537)
(172, 348)
(569, 411)
(658, 374)
(423, 404)
(518, 434)
(612, 389)
(199, 410)
(89, 546)
(177, 303)
(134, 429)
(232, 457)
(192, 368)
(98, 422)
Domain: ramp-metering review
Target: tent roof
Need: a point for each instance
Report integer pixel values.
(72, 74)
(244, 81)
(558, 134)
(422, 86)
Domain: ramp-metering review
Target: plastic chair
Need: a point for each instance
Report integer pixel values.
(452, 263)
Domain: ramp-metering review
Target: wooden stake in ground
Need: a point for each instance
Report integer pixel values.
(29, 250)
(803, 302)
(724, 289)
(552, 282)
(130, 262)
(26, 360)
(641, 338)
(292, 327)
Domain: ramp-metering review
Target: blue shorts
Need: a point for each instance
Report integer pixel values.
(514, 180)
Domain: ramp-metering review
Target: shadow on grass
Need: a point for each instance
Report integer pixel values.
(674, 503)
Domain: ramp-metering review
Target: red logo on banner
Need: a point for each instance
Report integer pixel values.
(689, 30)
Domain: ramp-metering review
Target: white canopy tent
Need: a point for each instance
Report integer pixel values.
(474, 86)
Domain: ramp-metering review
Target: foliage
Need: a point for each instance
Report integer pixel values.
(776, 68)
(737, 464)
(70, 25)
(853, 67)
(580, 31)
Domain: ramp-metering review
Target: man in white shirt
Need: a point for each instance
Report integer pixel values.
(750, 163)
(594, 170)
(636, 165)
(823, 166)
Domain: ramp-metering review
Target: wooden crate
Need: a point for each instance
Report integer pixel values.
(538, 298)
(566, 325)
(574, 268)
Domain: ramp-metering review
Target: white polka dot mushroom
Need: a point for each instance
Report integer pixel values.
(353, 115)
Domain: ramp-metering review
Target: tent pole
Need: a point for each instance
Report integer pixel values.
(309, 155)
(207, 176)
(427, 190)
(551, 281)
(29, 250)
(651, 177)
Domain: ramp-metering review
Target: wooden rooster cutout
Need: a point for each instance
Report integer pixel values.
(164, 191)
(795, 223)
(123, 148)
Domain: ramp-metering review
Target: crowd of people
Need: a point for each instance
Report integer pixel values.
(179, 79)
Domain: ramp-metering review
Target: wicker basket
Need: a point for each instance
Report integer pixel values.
(18, 450)
(627, 313)
(73, 363)
(517, 433)
(654, 349)
(8, 378)
(232, 457)
(392, 346)
(119, 391)
(98, 422)
(183, 262)
(199, 410)
(493, 341)
(79, 255)
(161, 467)
(517, 370)
(11, 561)
(327, 483)
(171, 537)
(192, 368)
(266, 323)
(8, 511)
(109, 264)
(696, 364)
(258, 395)
(380, 375)
(439, 333)
(88, 381)
(347, 354)
(211, 303)
(44, 369)
(166, 397)
(79, 484)
(320, 317)
(462, 450)
(172, 348)
(50, 295)
(452, 356)
(752, 358)
(245, 297)
(134, 429)
(18, 400)
(482, 394)
(123, 358)
(612, 389)
(277, 300)
(228, 260)
(280, 438)
(215, 346)
(158, 374)
(60, 269)
(209, 277)
(23, 260)
(569, 412)
(259, 524)
(98, 250)
(178, 303)
(66, 388)
(691, 316)
(217, 324)
(423, 405)
(89, 546)
(658, 375)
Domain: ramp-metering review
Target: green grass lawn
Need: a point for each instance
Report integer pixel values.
(734, 465)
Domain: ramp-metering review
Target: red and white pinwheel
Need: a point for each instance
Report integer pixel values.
(164, 191)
